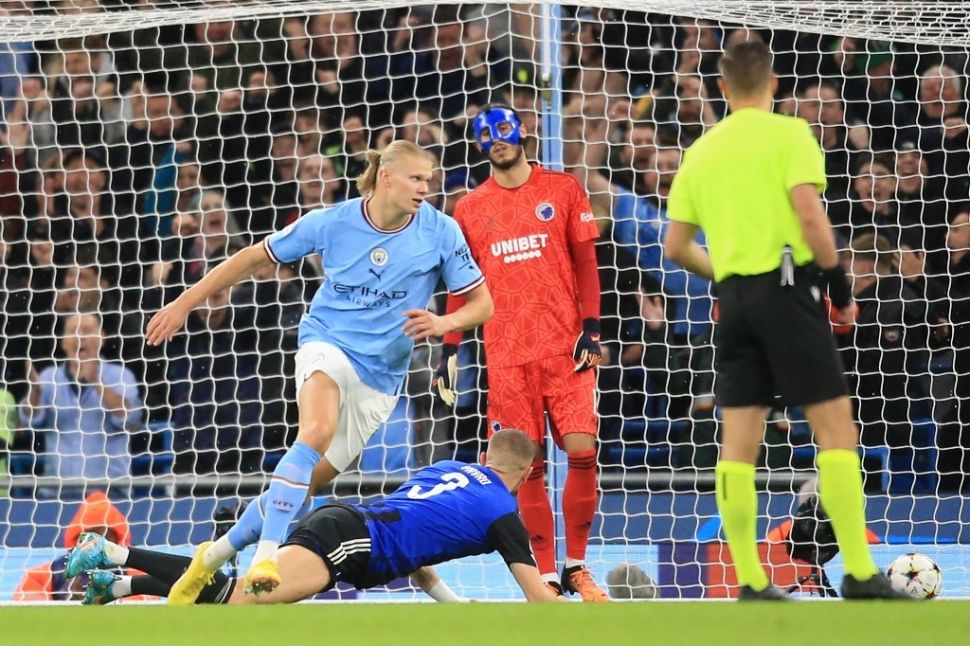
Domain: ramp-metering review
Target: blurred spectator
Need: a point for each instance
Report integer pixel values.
(634, 156)
(348, 80)
(926, 206)
(347, 150)
(79, 104)
(686, 109)
(955, 449)
(318, 182)
(887, 354)
(447, 67)
(203, 238)
(456, 185)
(89, 405)
(239, 131)
(8, 426)
(84, 214)
(872, 93)
(47, 582)
(942, 121)
(278, 297)
(309, 138)
(273, 184)
(17, 61)
(820, 104)
(586, 72)
(30, 291)
(685, 367)
(189, 189)
(221, 57)
(215, 390)
(14, 141)
(873, 206)
(639, 226)
(146, 170)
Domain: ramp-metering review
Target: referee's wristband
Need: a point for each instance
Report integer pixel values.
(839, 291)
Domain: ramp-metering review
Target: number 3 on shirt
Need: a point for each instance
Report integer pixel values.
(451, 481)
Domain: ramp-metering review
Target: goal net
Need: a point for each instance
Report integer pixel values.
(141, 143)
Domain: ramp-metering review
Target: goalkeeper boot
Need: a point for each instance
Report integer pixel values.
(771, 593)
(88, 554)
(262, 577)
(875, 587)
(98, 591)
(579, 580)
(188, 586)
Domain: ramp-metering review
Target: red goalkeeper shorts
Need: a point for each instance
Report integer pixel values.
(520, 397)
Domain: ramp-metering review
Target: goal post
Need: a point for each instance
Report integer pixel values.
(143, 142)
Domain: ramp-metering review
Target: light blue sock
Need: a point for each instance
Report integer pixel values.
(287, 491)
(247, 529)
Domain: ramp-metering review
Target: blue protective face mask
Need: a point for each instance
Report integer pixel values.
(490, 120)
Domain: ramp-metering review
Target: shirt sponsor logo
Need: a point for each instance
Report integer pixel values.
(379, 257)
(369, 297)
(522, 248)
(545, 212)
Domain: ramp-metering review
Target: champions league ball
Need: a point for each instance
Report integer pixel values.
(917, 575)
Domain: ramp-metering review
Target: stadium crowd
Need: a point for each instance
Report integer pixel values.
(130, 163)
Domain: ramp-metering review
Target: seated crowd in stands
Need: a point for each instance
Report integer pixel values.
(132, 163)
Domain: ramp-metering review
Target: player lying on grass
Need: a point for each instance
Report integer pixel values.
(446, 511)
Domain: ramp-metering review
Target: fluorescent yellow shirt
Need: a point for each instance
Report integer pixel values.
(735, 183)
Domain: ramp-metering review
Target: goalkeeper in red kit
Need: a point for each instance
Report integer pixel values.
(531, 231)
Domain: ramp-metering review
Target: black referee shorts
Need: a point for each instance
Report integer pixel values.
(775, 340)
(339, 536)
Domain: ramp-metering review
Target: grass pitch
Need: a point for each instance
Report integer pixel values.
(936, 623)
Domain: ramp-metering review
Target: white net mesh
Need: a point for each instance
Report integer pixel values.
(143, 142)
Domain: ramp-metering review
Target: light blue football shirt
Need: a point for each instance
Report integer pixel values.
(371, 277)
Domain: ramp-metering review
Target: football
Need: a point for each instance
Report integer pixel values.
(917, 575)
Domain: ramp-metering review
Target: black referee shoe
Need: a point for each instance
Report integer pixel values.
(875, 587)
(771, 593)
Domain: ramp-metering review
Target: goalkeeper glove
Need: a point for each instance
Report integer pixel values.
(446, 375)
(587, 352)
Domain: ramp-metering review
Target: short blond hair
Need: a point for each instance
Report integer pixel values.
(511, 448)
(367, 181)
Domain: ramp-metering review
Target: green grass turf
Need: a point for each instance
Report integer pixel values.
(936, 623)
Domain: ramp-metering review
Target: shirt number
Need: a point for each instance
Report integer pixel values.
(450, 482)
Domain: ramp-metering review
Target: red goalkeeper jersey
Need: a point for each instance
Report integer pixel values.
(520, 238)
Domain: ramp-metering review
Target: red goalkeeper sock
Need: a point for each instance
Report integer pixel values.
(579, 502)
(537, 516)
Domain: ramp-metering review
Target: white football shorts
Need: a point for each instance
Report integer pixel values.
(362, 409)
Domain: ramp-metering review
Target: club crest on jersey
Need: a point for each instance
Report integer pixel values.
(545, 212)
(379, 257)
(496, 426)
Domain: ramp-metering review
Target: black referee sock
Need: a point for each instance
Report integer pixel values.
(164, 567)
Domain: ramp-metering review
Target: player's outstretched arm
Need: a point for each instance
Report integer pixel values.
(428, 580)
(680, 247)
(529, 579)
(477, 309)
(170, 319)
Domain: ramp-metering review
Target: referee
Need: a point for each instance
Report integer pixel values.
(752, 184)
